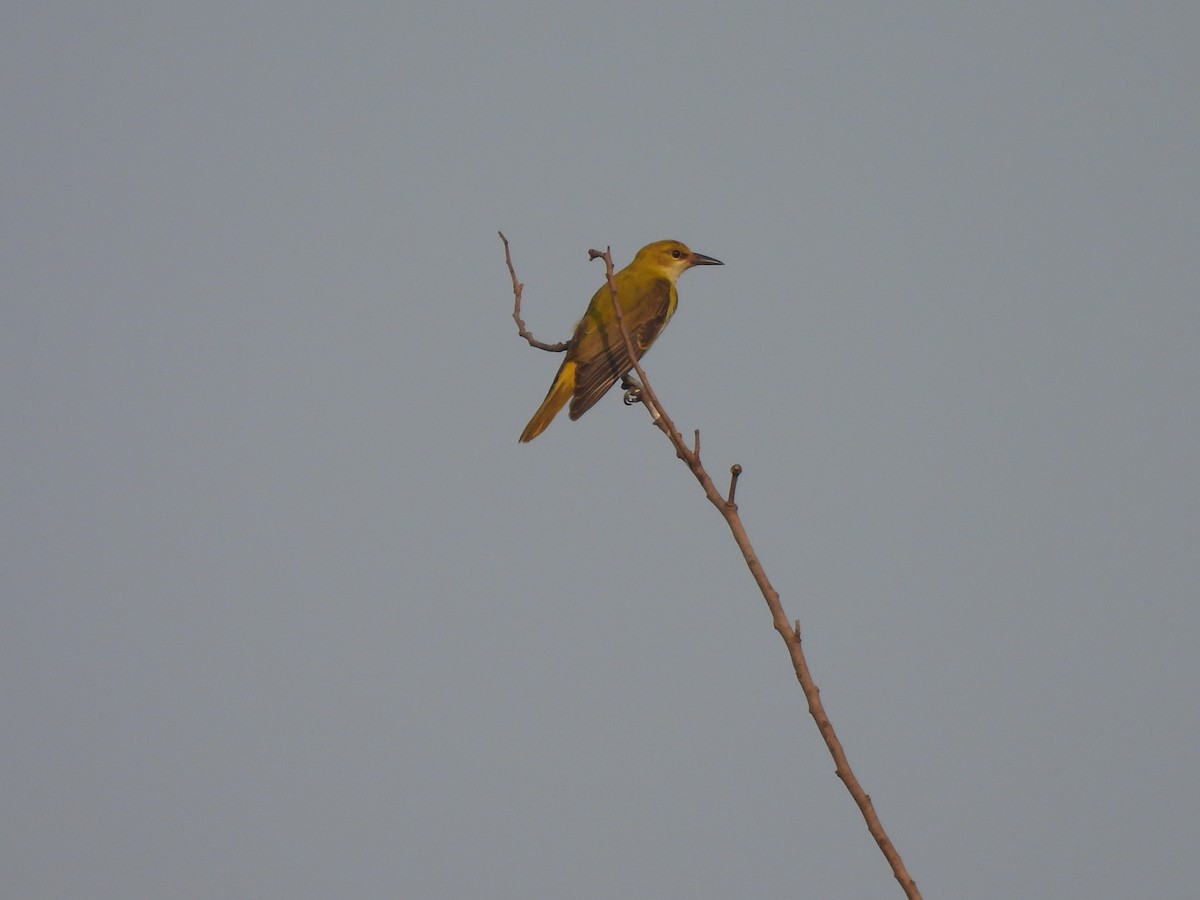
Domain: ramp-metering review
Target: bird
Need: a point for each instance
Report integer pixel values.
(596, 354)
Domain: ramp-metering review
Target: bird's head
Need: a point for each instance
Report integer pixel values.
(670, 259)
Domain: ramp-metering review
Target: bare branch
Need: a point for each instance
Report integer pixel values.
(517, 289)
(791, 636)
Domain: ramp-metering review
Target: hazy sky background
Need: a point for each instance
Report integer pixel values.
(287, 611)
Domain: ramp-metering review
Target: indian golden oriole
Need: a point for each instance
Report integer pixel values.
(596, 353)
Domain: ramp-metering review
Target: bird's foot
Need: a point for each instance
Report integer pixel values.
(633, 390)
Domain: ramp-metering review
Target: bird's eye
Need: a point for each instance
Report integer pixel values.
(676, 253)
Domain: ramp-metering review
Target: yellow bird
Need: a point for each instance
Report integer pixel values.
(596, 354)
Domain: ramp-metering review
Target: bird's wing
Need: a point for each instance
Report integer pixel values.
(601, 354)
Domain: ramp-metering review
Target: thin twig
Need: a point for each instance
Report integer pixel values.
(517, 289)
(735, 472)
(790, 634)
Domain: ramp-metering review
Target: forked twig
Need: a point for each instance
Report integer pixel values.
(729, 511)
(517, 289)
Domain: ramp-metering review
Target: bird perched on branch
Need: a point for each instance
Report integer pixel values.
(597, 355)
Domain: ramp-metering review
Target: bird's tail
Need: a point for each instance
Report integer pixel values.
(556, 398)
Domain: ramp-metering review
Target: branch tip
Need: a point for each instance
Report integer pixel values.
(735, 472)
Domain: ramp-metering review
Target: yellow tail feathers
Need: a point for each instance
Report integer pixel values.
(556, 398)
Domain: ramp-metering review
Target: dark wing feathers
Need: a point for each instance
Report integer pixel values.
(601, 370)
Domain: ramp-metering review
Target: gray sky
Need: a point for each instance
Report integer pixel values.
(288, 612)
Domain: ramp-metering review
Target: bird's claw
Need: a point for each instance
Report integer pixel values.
(633, 390)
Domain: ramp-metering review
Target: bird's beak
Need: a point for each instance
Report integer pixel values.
(699, 259)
